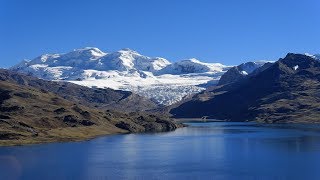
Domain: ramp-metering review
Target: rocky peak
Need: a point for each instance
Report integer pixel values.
(239, 72)
(299, 61)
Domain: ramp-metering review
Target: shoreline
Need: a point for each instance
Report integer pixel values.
(45, 140)
(103, 132)
(89, 135)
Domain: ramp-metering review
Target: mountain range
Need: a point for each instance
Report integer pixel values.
(155, 78)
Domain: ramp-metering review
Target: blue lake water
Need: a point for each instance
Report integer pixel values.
(216, 150)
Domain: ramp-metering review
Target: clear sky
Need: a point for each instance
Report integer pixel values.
(226, 31)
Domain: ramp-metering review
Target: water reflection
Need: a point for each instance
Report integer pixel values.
(209, 150)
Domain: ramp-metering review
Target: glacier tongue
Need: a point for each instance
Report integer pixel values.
(155, 78)
(165, 89)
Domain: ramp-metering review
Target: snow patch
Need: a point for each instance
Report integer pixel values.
(244, 73)
(310, 55)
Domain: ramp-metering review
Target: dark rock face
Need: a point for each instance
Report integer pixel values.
(4, 117)
(24, 125)
(129, 126)
(74, 121)
(240, 72)
(87, 123)
(232, 75)
(70, 119)
(286, 91)
(11, 108)
(85, 114)
(60, 110)
(10, 136)
(4, 95)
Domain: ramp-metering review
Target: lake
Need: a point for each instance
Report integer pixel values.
(215, 150)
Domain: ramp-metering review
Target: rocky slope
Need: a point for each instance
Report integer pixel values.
(286, 91)
(31, 114)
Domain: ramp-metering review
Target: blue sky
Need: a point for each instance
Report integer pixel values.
(226, 31)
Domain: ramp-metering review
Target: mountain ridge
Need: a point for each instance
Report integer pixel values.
(286, 91)
(155, 78)
(241, 71)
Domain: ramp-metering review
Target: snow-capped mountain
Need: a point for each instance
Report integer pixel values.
(90, 58)
(155, 78)
(249, 67)
(239, 72)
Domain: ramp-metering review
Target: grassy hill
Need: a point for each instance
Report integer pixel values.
(32, 114)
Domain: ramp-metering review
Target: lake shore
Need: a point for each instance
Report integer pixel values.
(75, 134)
